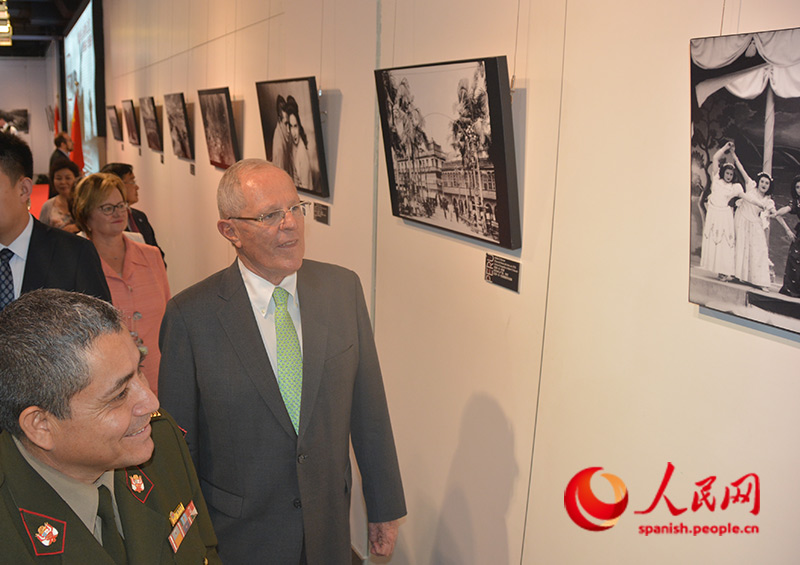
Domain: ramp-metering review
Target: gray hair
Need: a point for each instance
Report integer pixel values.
(45, 338)
(230, 200)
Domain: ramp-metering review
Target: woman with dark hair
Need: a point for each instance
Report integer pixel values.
(57, 211)
(718, 250)
(753, 212)
(302, 164)
(791, 275)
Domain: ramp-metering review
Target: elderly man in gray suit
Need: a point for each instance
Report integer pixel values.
(271, 367)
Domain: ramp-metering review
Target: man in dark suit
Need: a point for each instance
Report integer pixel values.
(33, 255)
(82, 431)
(272, 452)
(63, 147)
(137, 220)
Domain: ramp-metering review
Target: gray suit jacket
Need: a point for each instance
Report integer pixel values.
(267, 487)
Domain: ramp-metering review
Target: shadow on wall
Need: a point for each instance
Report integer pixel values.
(472, 524)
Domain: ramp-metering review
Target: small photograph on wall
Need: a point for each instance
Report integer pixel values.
(113, 119)
(51, 117)
(449, 145)
(131, 122)
(179, 130)
(150, 120)
(15, 120)
(292, 127)
(215, 106)
(744, 254)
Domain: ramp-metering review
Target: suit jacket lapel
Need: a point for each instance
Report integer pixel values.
(145, 526)
(37, 264)
(314, 314)
(238, 320)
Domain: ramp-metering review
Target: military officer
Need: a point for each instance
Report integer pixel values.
(90, 470)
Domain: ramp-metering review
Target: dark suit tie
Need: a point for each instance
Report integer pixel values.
(6, 280)
(112, 541)
(290, 359)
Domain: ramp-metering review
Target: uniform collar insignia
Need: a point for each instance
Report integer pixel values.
(47, 534)
(138, 483)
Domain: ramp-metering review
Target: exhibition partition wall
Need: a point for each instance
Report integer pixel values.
(500, 397)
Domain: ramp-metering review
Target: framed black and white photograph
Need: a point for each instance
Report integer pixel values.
(18, 119)
(51, 117)
(179, 129)
(744, 251)
(449, 145)
(147, 107)
(113, 119)
(131, 122)
(217, 112)
(292, 127)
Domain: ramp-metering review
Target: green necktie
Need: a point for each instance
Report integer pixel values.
(290, 359)
(112, 541)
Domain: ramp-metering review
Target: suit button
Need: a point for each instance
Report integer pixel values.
(302, 458)
(297, 503)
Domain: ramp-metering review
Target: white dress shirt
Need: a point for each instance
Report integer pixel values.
(260, 291)
(20, 248)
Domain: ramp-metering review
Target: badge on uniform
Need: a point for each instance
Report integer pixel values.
(184, 522)
(138, 483)
(176, 514)
(46, 533)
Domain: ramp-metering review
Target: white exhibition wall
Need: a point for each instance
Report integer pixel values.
(24, 86)
(498, 398)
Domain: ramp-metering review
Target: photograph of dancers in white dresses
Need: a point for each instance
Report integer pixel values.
(292, 127)
(449, 145)
(745, 176)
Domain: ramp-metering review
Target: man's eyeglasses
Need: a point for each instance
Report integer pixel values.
(109, 209)
(276, 217)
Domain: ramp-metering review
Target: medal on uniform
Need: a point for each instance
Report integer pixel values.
(182, 525)
(175, 515)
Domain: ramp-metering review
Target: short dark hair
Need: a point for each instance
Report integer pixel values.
(45, 338)
(119, 169)
(63, 163)
(16, 159)
(59, 164)
(61, 137)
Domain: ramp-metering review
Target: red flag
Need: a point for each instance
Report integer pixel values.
(57, 127)
(76, 155)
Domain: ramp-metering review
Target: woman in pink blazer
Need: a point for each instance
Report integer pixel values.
(134, 271)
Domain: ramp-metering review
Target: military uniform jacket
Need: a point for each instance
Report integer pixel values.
(37, 526)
